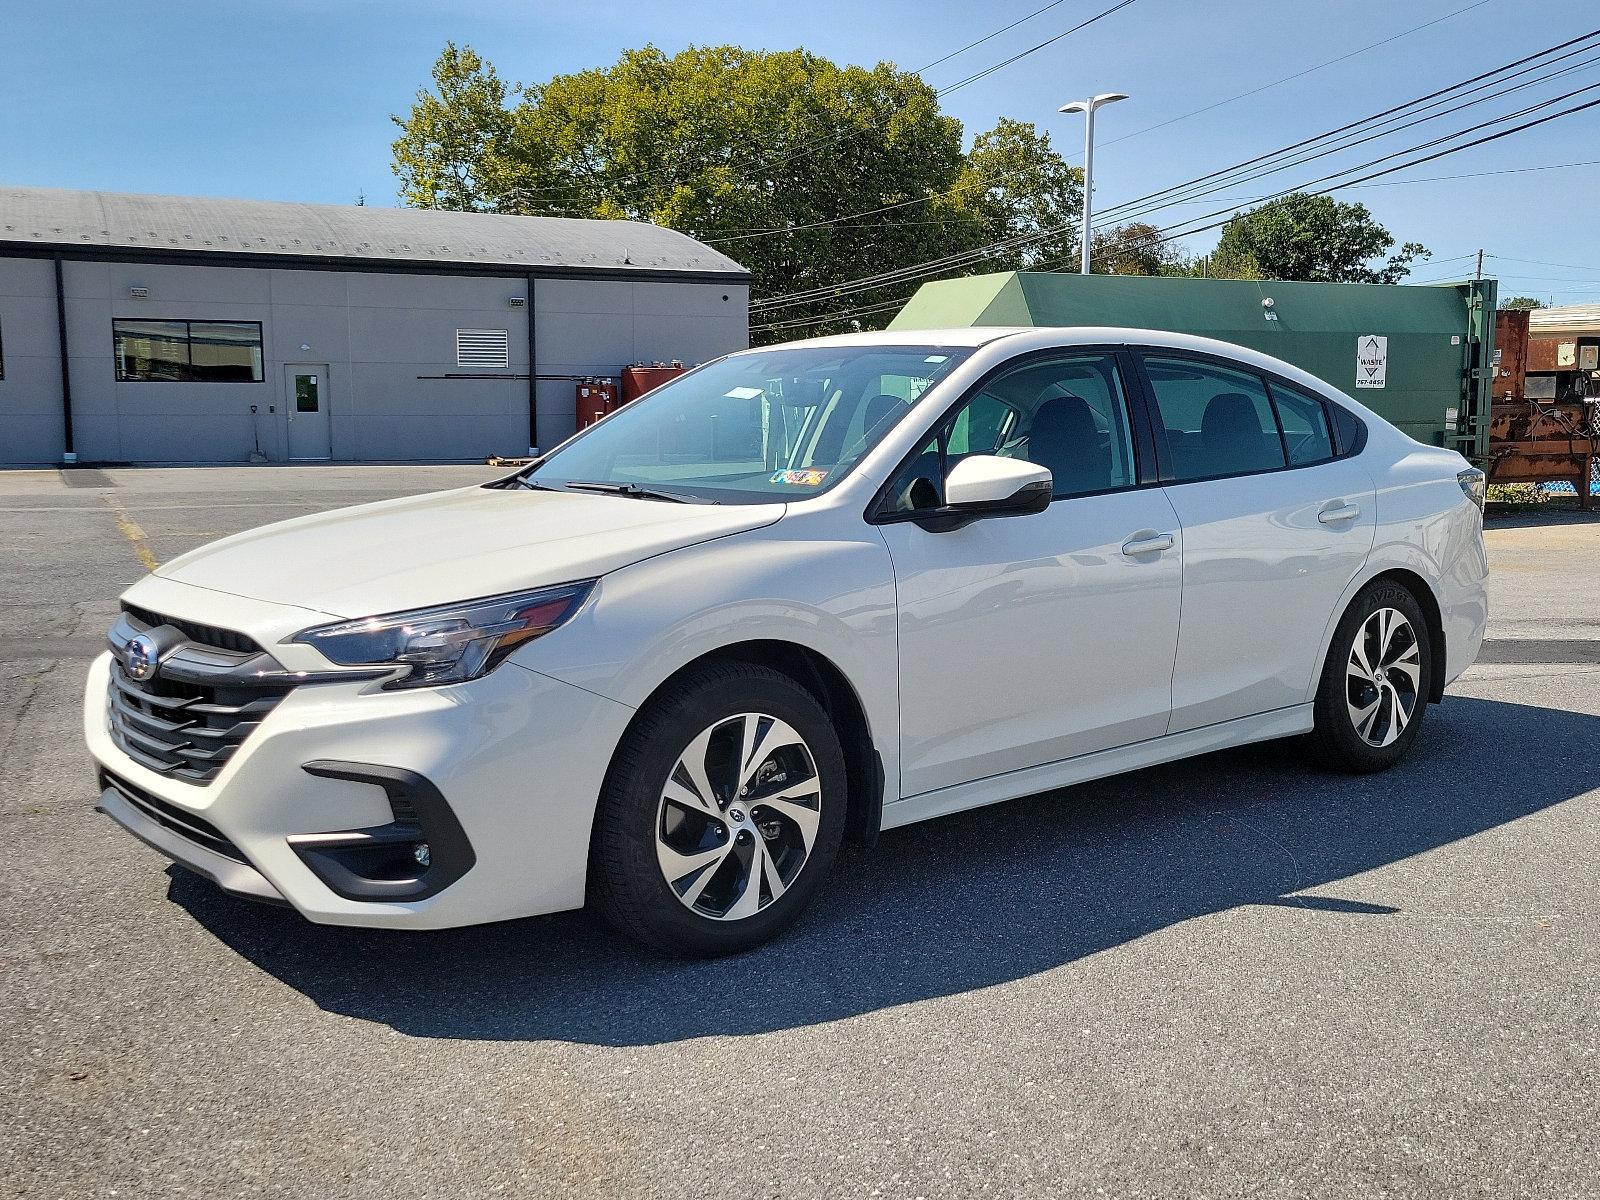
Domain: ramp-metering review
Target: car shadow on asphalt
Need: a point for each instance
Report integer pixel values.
(964, 902)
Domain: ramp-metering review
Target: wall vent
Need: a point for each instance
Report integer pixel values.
(483, 348)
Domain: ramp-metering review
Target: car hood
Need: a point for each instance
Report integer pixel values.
(447, 546)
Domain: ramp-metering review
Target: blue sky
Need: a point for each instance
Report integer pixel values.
(290, 99)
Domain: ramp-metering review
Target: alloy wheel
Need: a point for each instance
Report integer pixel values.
(738, 816)
(1384, 677)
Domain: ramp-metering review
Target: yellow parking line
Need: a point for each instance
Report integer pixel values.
(135, 536)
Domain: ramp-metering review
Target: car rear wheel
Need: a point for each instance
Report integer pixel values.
(722, 812)
(1374, 686)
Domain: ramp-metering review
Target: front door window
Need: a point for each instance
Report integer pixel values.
(1069, 414)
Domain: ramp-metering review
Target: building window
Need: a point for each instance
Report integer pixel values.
(187, 351)
(483, 348)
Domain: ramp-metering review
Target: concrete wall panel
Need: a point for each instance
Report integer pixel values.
(598, 296)
(384, 339)
(30, 391)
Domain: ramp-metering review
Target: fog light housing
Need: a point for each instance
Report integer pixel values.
(422, 851)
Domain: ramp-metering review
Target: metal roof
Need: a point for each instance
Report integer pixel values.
(55, 219)
(1569, 318)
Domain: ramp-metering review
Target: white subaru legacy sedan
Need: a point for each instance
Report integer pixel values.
(800, 594)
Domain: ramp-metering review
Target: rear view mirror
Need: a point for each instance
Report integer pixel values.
(986, 485)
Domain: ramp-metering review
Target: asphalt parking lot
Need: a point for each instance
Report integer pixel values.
(1230, 977)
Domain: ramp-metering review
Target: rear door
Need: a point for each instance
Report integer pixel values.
(1275, 526)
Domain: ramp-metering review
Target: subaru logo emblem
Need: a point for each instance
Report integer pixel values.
(139, 657)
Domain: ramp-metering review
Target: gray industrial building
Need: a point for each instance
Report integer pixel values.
(148, 329)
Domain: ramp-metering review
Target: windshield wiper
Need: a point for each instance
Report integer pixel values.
(637, 491)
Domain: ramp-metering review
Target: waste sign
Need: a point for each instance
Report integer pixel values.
(1372, 360)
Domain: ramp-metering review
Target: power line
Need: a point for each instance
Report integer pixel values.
(1298, 74)
(1174, 232)
(1590, 162)
(786, 230)
(1003, 29)
(1487, 79)
(1022, 54)
(1539, 262)
(1120, 214)
(1166, 196)
(1120, 210)
(1492, 137)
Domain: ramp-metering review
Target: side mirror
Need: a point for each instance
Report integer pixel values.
(986, 485)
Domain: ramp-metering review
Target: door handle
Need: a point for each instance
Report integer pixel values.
(1339, 510)
(1147, 541)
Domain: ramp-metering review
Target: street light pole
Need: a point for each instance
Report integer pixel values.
(1087, 107)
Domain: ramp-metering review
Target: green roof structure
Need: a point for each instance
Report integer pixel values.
(1436, 341)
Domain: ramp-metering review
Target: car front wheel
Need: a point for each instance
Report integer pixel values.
(722, 812)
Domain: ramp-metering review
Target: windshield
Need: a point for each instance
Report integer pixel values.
(764, 426)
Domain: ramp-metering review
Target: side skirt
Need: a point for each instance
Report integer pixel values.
(1283, 722)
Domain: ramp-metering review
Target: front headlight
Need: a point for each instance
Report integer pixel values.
(451, 643)
(1475, 484)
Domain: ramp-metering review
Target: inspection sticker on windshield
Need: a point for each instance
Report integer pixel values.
(801, 478)
(743, 393)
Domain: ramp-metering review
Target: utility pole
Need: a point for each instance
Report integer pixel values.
(1479, 275)
(1087, 107)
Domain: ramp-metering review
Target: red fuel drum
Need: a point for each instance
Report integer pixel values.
(596, 398)
(639, 378)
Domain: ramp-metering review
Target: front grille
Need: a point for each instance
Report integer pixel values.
(169, 816)
(211, 689)
(204, 635)
(184, 730)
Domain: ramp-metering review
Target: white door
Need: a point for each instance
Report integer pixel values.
(1029, 639)
(306, 402)
(1267, 551)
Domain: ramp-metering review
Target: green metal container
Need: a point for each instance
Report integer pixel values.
(1422, 356)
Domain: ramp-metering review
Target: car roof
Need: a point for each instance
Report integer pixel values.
(1029, 337)
(967, 335)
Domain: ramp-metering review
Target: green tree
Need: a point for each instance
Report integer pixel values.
(1316, 238)
(757, 153)
(453, 149)
(1225, 263)
(1136, 248)
(1520, 302)
(1021, 191)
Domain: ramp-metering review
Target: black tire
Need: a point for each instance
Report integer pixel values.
(627, 884)
(1336, 739)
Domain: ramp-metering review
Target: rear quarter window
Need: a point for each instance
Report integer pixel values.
(1304, 419)
(1349, 429)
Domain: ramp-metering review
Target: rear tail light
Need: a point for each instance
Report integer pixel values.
(1475, 484)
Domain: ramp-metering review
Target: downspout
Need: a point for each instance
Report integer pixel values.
(68, 452)
(533, 378)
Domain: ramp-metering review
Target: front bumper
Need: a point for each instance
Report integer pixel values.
(122, 804)
(518, 758)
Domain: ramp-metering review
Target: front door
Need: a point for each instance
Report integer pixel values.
(307, 405)
(1025, 640)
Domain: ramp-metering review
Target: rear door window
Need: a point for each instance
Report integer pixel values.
(1218, 420)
